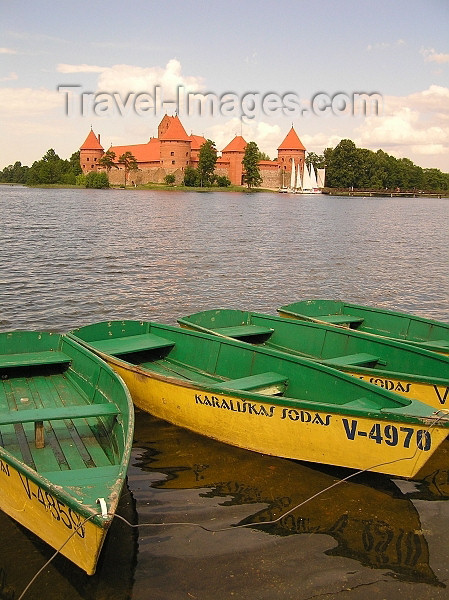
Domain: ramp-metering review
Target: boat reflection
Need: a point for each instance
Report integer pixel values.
(432, 481)
(369, 517)
(22, 554)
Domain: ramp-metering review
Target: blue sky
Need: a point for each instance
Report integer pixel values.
(398, 50)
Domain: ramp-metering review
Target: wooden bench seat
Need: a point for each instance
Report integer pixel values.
(87, 477)
(30, 359)
(268, 383)
(340, 319)
(83, 411)
(57, 413)
(362, 403)
(130, 344)
(357, 360)
(240, 331)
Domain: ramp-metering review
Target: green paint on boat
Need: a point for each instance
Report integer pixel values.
(426, 333)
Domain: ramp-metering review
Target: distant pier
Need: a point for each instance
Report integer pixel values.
(384, 193)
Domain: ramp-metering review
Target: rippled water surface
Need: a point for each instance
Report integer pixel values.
(71, 257)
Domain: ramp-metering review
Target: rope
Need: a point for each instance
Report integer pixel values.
(54, 555)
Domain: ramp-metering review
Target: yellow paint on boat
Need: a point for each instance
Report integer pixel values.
(274, 428)
(49, 518)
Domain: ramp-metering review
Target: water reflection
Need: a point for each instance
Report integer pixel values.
(22, 554)
(369, 518)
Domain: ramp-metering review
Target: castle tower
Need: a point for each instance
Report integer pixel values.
(291, 147)
(175, 145)
(234, 153)
(90, 152)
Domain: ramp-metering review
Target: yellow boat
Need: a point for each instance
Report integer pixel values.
(66, 427)
(267, 401)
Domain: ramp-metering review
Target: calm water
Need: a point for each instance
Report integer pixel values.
(71, 257)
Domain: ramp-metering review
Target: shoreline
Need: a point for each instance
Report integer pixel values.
(243, 189)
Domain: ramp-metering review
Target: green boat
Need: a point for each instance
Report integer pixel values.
(402, 368)
(66, 430)
(265, 400)
(412, 329)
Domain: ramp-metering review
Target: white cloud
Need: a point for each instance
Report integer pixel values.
(24, 102)
(126, 79)
(7, 51)
(417, 124)
(385, 45)
(64, 68)
(431, 55)
(11, 77)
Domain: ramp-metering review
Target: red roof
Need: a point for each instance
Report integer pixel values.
(291, 142)
(175, 131)
(142, 152)
(197, 141)
(238, 144)
(92, 142)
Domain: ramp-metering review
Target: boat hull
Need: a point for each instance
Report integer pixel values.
(277, 428)
(42, 509)
(66, 430)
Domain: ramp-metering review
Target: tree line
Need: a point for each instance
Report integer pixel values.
(350, 167)
(50, 169)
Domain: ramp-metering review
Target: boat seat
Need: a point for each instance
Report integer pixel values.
(132, 343)
(84, 411)
(239, 331)
(357, 360)
(88, 476)
(340, 319)
(363, 403)
(268, 383)
(39, 415)
(30, 359)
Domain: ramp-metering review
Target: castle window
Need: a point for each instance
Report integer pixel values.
(172, 153)
(95, 159)
(87, 159)
(173, 162)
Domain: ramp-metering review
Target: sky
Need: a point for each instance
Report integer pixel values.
(375, 72)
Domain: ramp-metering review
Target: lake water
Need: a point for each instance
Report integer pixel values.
(72, 257)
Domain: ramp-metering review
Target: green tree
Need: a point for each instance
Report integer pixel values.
(74, 163)
(169, 179)
(97, 180)
(223, 181)
(16, 173)
(108, 160)
(191, 177)
(250, 164)
(129, 162)
(341, 168)
(206, 162)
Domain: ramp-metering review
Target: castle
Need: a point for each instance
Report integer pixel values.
(173, 150)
